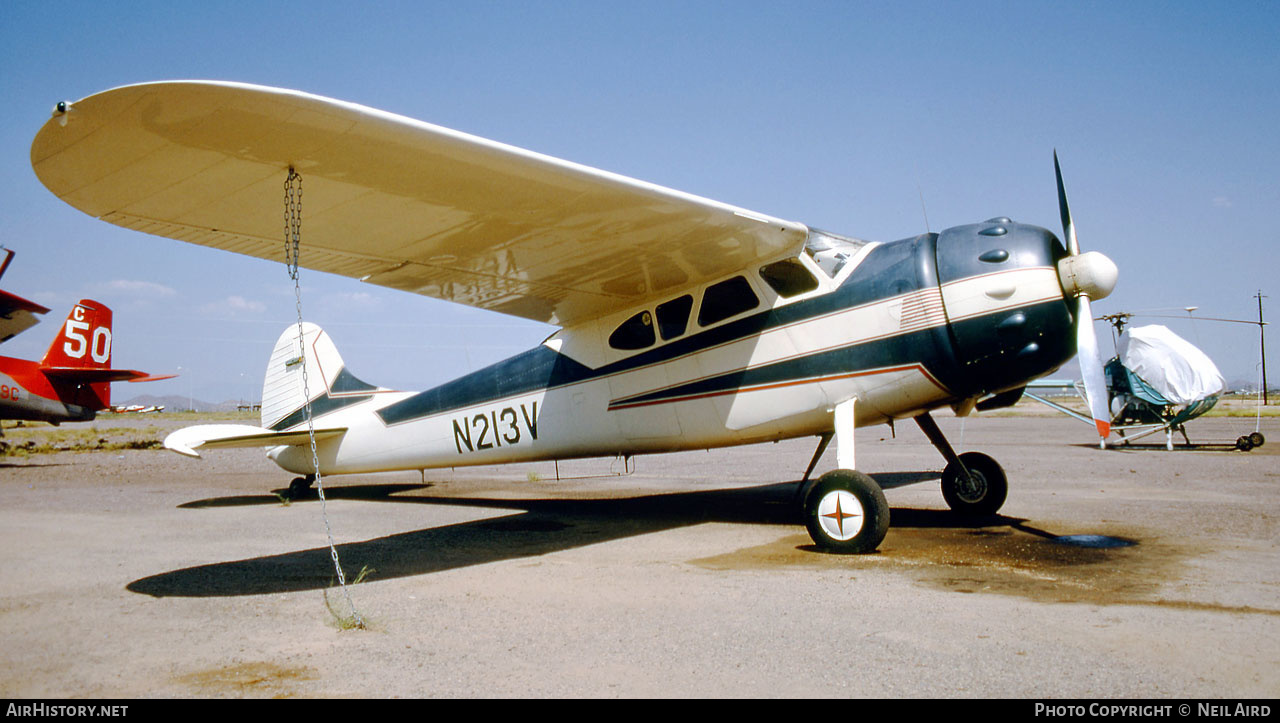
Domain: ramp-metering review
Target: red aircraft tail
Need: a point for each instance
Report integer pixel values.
(79, 360)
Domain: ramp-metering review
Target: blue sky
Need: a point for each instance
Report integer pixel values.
(840, 115)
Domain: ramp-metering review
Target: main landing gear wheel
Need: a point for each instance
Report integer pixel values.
(845, 512)
(1256, 439)
(982, 493)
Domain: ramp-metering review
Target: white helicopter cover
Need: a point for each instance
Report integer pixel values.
(1170, 364)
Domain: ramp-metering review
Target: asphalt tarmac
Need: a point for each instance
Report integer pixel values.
(1108, 573)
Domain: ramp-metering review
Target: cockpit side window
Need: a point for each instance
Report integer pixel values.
(788, 277)
(725, 299)
(634, 333)
(673, 316)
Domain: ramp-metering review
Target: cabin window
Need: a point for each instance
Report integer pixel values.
(725, 299)
(789, 278)
(673, 316)
(634, 333)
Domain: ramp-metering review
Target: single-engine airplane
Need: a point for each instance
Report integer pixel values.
(685, 323)
(72, 383)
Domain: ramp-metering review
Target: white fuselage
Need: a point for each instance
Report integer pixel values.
(714, 394)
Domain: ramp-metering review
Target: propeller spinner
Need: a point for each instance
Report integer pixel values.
(1087, 276)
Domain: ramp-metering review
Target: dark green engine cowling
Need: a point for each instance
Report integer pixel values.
(1009, 321)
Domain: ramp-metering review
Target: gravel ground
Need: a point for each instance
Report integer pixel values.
(138, 573)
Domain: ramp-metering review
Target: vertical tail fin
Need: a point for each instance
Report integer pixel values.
(84, 343)
(283, 396)
(85, 340)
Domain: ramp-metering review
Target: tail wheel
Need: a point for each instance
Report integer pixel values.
(982, 493)
(846, 512)
(299, 487)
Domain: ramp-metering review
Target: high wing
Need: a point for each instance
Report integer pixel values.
(390, 200)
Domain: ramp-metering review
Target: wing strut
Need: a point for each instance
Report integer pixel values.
(292, 251)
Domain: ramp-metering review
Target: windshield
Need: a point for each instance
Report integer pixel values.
(831, 251)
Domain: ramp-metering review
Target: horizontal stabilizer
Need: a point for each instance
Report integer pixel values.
(17, 315)
(93, 376)
(219, 436)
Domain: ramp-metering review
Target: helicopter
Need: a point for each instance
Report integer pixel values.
(1156, 382)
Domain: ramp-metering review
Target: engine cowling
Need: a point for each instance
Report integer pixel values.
(1009, 317)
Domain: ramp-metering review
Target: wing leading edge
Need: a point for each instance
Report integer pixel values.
(391, 200)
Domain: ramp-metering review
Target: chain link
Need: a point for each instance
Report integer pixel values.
(292, 222)
(292, 245)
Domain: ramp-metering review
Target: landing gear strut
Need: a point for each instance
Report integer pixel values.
(844, 510)
(973, 484)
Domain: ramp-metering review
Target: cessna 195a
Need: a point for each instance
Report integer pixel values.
(684, 323)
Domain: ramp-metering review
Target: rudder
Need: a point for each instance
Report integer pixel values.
(85, 341)
(282, 385)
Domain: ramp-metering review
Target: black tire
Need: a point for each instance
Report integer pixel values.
(299, 487)
(846, 512)
(1256, 439)
(980, 496)
(1243, 443)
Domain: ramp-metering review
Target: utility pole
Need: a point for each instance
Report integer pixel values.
(1262, 340)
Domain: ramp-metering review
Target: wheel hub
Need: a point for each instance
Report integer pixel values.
(841, 515)
(973, 487)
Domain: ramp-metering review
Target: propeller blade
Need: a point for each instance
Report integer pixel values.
(1086, 275)
(1095, 386)
(1068, 228)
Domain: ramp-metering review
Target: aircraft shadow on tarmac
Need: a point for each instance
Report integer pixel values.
(535, 527)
